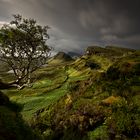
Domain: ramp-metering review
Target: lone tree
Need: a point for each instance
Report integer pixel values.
(23, 47)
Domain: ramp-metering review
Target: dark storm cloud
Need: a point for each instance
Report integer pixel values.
(79, 23)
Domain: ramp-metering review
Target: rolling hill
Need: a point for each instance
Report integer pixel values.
(95, 97)
(60, 57)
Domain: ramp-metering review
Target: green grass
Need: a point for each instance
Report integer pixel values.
(42, 83)
(77, 96)
(32, 104)
(103, 61)
(44, 91)
(42, 94)
(97, 104)
(49, 85)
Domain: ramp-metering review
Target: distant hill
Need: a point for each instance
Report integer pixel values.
(112, 51)
(60, 57)
(120, 49)
(63, 55)
(74, 54)
(95, 50)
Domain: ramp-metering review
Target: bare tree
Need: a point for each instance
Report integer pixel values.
(23, 47)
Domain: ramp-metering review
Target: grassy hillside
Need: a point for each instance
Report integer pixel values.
(94, 97)
(103, 106)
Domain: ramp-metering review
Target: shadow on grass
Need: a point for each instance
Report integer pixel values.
(12, 126)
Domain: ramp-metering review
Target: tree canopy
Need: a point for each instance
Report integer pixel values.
(23, 47)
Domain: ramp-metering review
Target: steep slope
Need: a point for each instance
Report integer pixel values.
(104, 106)
(94, 97)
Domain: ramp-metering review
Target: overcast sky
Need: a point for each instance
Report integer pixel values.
(76, 24)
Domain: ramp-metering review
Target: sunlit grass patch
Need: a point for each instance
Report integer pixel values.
(73, 72)
(32, 104)
(42, 83)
